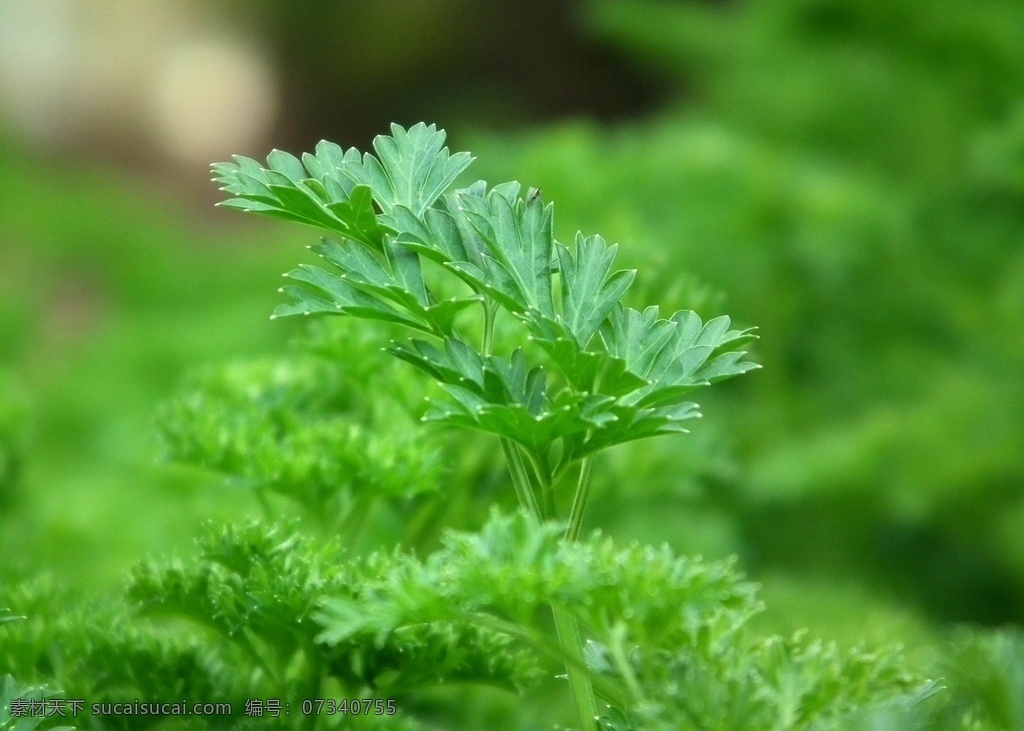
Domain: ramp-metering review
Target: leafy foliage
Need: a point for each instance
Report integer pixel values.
(258, 590)
(628, 384)
(668, 643)
(849, 172)
(986, 675)
(94, 652)
(336, 191)
(18, 707)
(609, 374)
(302, 428)
(235, 624)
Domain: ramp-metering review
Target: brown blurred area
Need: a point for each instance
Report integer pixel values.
(166, 86)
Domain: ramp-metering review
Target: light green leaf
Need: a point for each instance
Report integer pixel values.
(636, 337)
(518, 237)
(589, 291)
(359, 218)
(586, 370)
(396, 280)
(492, 279)
(564, 417)
(364, 271)
(412, 168)
(673, 355)
(285, 191)
(392, 207)
(456, 364)
(435, 236)
(341, 299)
(286, 164)
(627, 422)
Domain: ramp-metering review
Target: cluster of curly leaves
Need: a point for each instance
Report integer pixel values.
(234, 624)
(301, 427)
(669, 647)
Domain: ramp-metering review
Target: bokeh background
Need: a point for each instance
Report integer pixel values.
(847, 175)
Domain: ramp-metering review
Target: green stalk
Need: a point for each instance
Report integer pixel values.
(546, 481)
(490, 311)
(579, 502)
(610, 690)
(565, 623)
(579, 681)
(521, 479)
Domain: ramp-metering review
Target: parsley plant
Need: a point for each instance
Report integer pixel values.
(610, 374)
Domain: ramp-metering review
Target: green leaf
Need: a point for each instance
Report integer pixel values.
(285, 191)
(631, 382)
(589, 291)
(636, 337)
(359, 218)
(256, 588)
(341, 299)
(627, 422)
(412, 168)
(491, 279)
(586, 370)
(519, 241)
(518, 407)
(17, 703)
(308, 428)
(6, 616)
(676, 355)
(435, 236)
(366, 286)
(287, 164)
(364, 271)
(501, 396)
(458, 364)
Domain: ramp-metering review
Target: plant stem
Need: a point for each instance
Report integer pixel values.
(565, 623)
(490, 311)
(546, 482)
(610, 690)
(521, 479)
(579, 502)
(579, 682)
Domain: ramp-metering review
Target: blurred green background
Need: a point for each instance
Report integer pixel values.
(848, 175)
